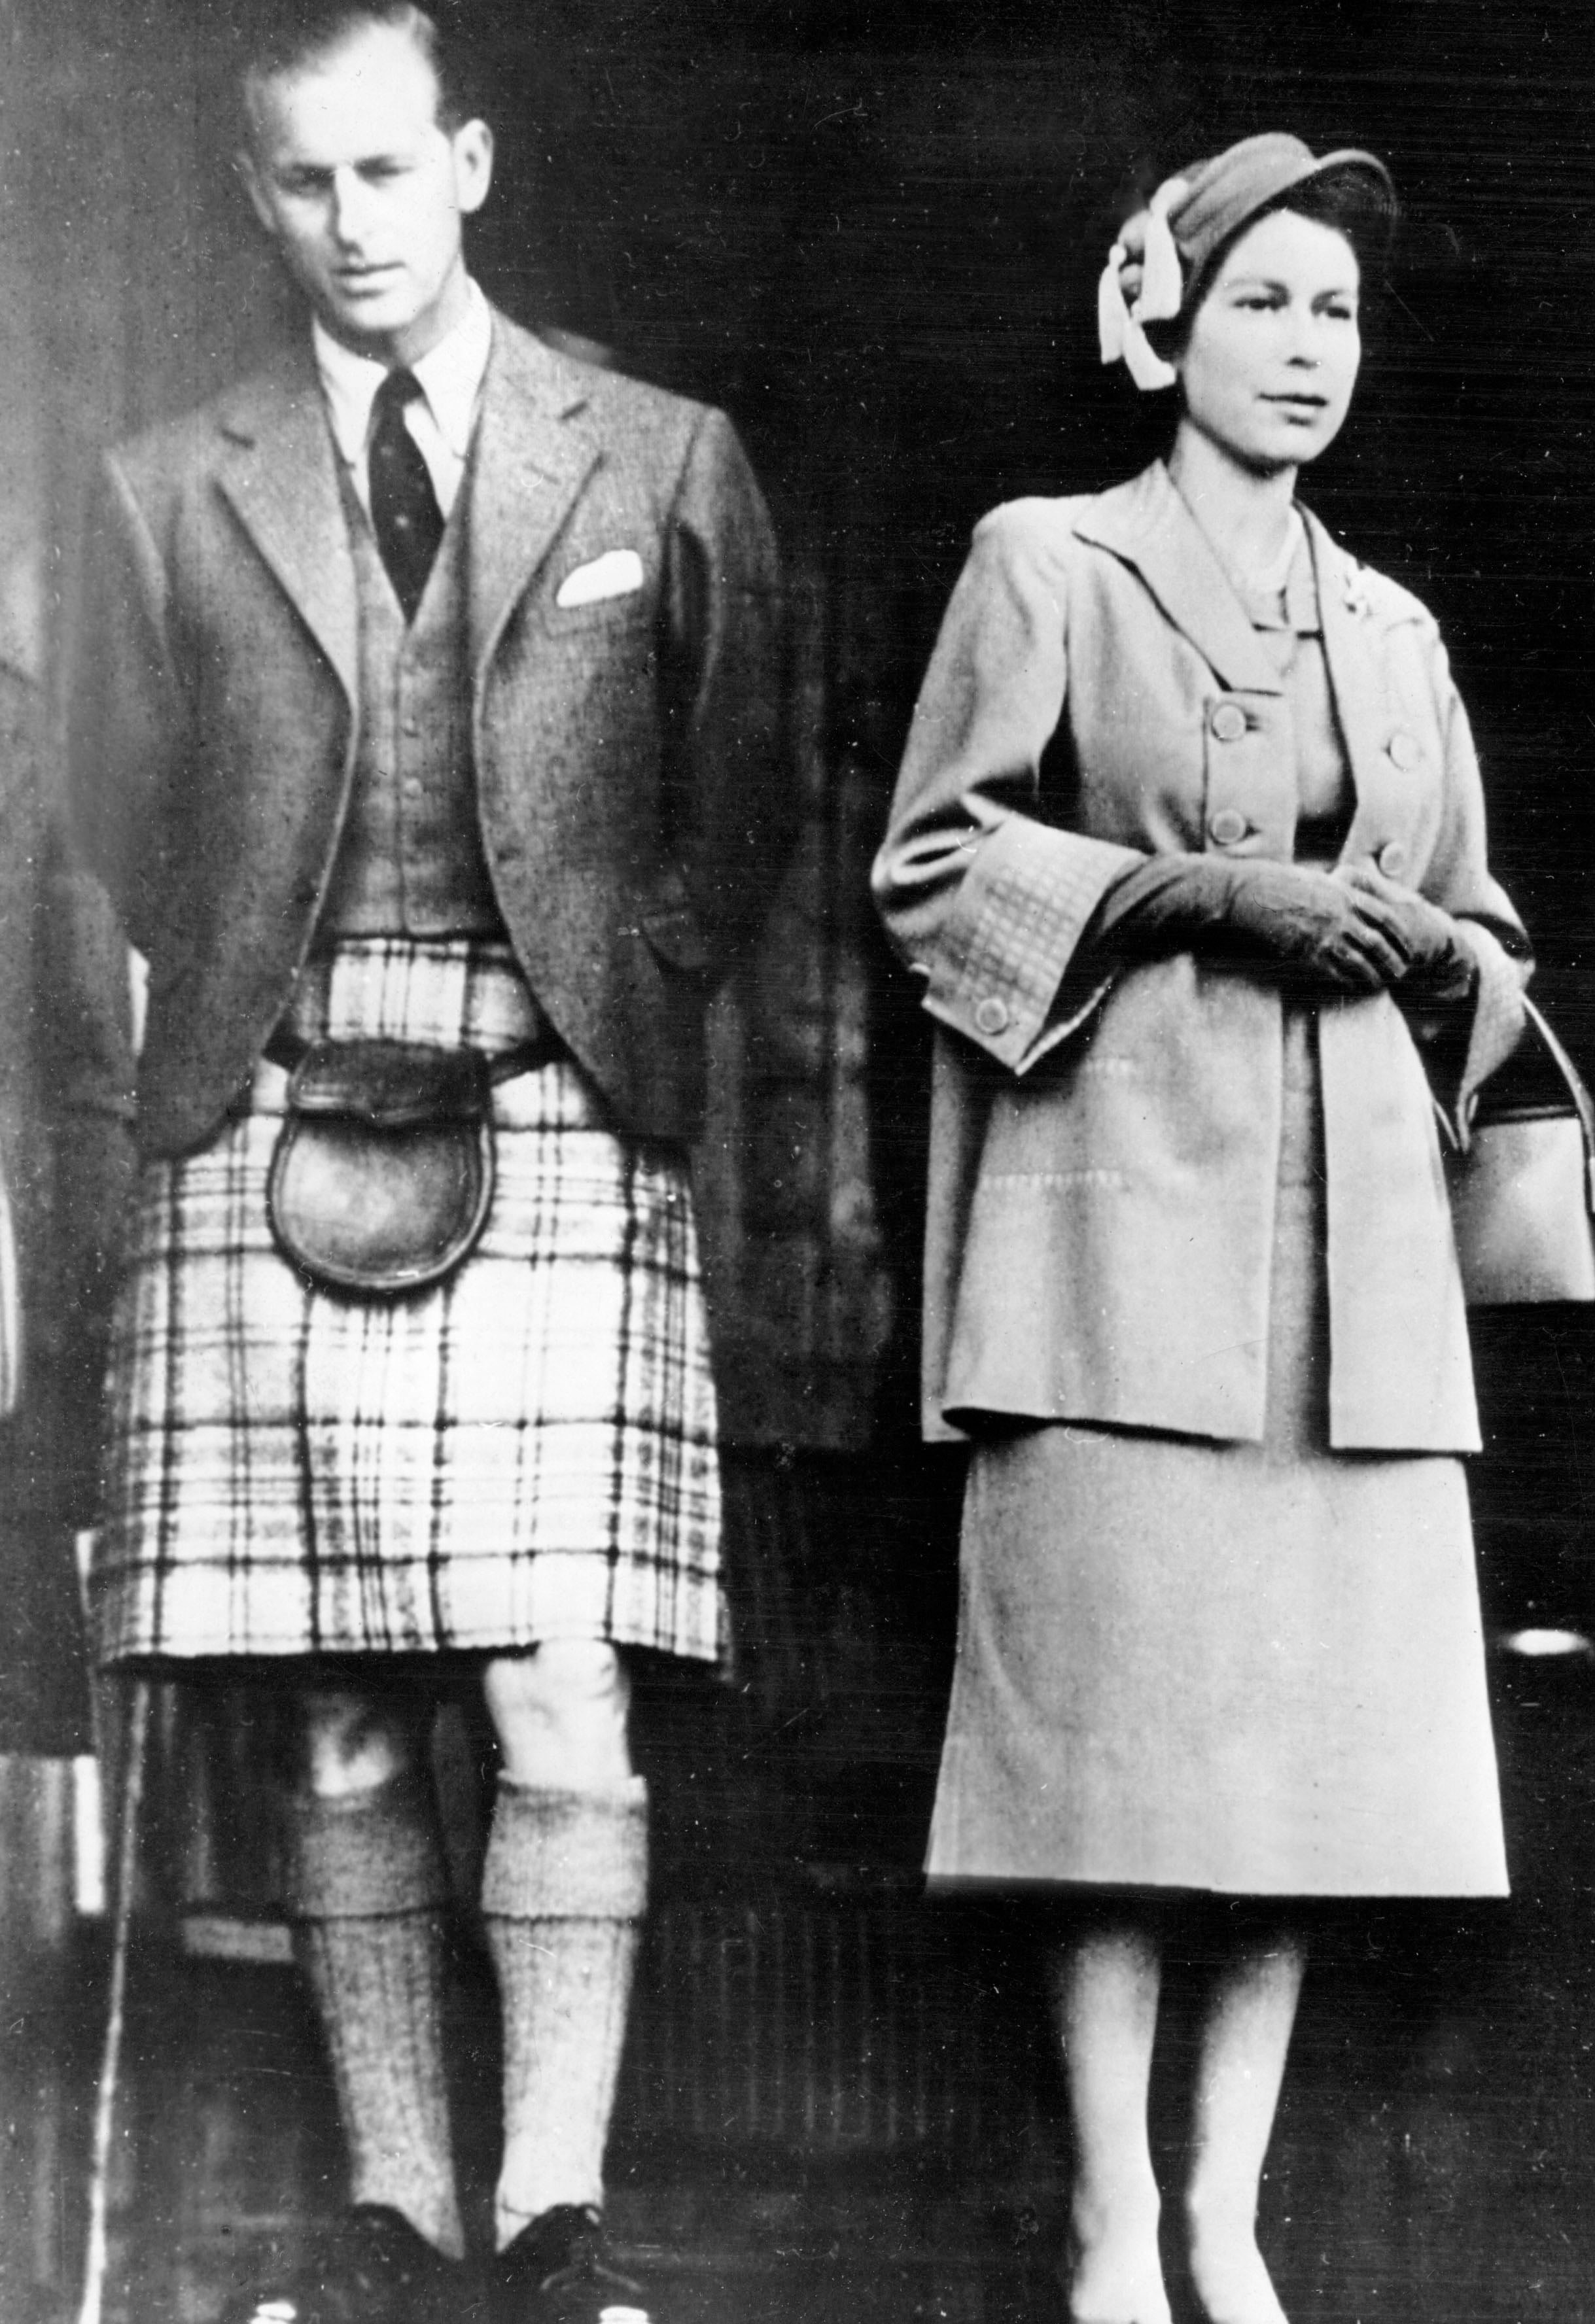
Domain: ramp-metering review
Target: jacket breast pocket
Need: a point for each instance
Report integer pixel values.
(620, 604)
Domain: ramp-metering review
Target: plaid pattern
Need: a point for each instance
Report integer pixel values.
(526, 1451)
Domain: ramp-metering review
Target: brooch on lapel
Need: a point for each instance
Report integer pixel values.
(1356, 595)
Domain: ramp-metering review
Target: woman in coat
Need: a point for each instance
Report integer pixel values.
(1188, 853)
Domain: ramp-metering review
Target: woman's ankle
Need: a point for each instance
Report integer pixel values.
(1114, 2271)
(1227, 2272)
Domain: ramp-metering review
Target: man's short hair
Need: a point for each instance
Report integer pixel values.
(284, 36)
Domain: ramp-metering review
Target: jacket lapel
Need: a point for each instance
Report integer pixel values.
(534, 450)
(1350, 627)
(281, 475)
(1147, 524)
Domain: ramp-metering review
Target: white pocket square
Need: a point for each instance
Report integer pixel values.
(615, 574)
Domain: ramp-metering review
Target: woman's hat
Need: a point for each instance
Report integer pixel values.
(1191, 218)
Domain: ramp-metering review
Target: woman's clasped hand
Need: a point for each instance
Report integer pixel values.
(1441, 966)
(1319, 924)
(1352, 929)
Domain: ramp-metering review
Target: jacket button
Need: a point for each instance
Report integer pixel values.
(1404, 751)
(1228, 722)
(991, 1016)
(1228, 828)
(1392, 859)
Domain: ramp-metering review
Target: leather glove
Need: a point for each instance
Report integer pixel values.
(1319, 933)
(1443, 971)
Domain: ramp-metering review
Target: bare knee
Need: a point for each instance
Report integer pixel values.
(353, 1739)
(560, 1713)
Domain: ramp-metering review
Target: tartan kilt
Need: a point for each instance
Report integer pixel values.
(525, 1452)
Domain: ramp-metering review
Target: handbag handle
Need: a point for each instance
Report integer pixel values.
(1583, 1104)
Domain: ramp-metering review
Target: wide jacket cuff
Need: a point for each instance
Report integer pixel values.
(1001, 955)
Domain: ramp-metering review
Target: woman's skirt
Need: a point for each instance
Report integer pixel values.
(525, 1452)
(1255, 1669)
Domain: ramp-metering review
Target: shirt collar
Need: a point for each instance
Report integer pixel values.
(450, 377)
(1294, 605)
(1300, 592)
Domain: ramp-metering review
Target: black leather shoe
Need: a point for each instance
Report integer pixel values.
(372, 2269)
(557, 2271)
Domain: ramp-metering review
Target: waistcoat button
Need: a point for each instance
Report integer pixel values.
(1228, 828)
(1392, 859)
(1228, 722)
(1404, 751)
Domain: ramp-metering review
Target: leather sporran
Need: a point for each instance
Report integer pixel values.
(382, 1172)
(1523, 1196)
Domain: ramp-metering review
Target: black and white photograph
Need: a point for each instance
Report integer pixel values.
(796, 1164)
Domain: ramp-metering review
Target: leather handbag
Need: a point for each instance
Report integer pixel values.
(1523, 1196)
(382, 1174)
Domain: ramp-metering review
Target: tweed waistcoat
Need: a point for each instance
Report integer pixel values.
(409, 860)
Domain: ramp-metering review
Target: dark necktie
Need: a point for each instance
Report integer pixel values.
(404, 512)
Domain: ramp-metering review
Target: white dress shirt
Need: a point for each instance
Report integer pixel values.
(441, 418)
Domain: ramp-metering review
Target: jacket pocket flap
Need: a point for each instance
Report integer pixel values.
(389, 1084)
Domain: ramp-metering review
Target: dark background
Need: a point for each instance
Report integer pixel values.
(872, 232)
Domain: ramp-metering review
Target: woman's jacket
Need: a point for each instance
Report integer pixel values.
(1104, 1141)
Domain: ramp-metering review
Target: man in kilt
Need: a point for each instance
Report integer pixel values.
(429, 710)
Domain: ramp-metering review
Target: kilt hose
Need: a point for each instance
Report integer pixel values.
(525, 1452)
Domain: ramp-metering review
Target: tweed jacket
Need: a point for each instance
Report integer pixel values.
(1104, 1144)
(630, 786)
(66, 1104)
